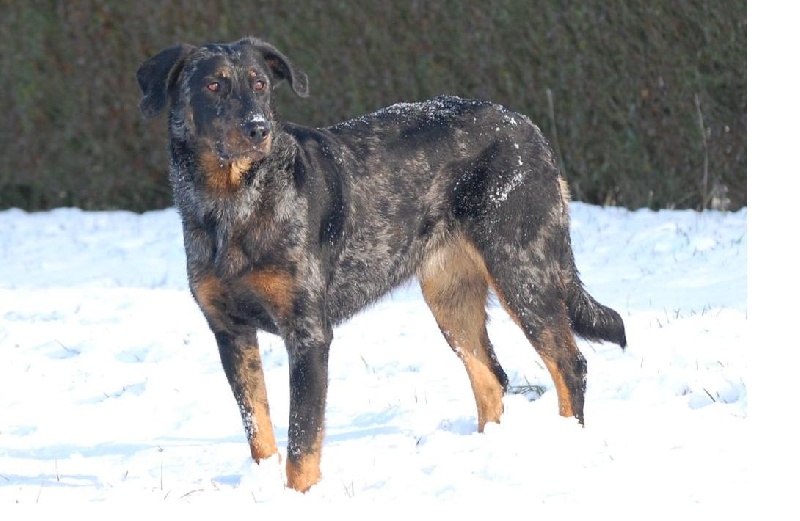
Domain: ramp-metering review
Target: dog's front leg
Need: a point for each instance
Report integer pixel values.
(241, 360)
(308, 382)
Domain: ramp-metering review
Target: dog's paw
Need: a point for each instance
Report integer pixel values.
(263, 479)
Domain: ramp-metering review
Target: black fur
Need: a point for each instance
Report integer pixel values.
(292, 230)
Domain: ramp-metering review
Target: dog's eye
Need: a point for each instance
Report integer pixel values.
(259, 85)
(213, 86)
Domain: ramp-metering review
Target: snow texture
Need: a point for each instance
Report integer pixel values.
(111, 388)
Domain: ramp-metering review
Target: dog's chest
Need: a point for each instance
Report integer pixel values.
(229, 258)
(237, 247)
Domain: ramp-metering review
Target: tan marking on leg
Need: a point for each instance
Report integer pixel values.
(276, 286)
(547, 347)
(250, 376)
(487, 390)
(208, 292)
(453, 282)
(260, 430)
(303, 472)
(559, 344)
(563, 392)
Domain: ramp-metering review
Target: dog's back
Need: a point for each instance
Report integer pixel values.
(414, 175)
(427, 173)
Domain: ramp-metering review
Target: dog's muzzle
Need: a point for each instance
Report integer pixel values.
(256, 130)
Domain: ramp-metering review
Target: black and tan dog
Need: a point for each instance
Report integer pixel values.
(292, 230)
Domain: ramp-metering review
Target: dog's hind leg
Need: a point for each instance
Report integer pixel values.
(454, 284)
(537, 303)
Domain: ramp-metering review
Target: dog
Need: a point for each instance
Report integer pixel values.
(292, 230)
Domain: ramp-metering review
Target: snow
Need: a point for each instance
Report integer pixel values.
(111, 389)
(501, 193)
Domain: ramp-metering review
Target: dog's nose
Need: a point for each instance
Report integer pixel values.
(256, 130)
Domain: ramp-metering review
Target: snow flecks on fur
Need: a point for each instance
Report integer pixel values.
(436, 109)
(502, 192)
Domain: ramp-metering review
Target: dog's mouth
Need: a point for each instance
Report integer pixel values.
(227, 154)
(226, 164)
(252, 140)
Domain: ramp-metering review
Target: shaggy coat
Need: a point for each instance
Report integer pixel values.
(292, 230)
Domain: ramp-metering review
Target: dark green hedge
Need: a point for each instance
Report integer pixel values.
(622, 88)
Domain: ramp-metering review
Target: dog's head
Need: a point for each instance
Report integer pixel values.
(220, 95)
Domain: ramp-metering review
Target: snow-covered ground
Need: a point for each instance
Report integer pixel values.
(111, 388)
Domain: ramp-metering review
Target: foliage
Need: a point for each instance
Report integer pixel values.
(644, 100)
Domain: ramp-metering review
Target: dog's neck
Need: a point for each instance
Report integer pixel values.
(225, 190)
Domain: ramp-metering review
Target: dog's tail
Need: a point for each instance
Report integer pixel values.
(590, 319)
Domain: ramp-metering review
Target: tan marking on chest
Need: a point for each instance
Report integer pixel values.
(223, 176)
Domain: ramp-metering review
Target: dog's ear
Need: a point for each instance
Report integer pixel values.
(281, 67)
(158, 75)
